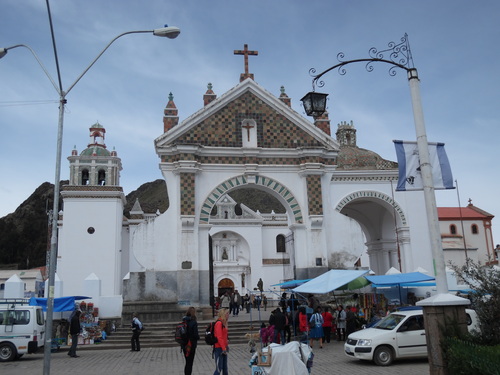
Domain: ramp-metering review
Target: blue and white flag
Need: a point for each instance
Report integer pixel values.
(410, 176)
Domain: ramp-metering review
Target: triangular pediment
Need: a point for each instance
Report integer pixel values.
(219, 124)
(226, 211)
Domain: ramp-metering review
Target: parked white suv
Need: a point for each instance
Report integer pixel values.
(399, 335)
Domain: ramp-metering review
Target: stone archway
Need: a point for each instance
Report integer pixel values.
(385, 227)
(225, 285)
(282, 192)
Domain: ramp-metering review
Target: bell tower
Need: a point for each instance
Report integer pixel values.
(346, 134)
(96, 165)
(91, 222)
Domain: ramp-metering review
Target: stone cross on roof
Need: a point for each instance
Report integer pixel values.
(245, 52)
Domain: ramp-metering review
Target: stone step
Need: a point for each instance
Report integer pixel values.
(160, 335)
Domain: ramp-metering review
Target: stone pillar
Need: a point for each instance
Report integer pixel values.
(442, 312)
(14, 287)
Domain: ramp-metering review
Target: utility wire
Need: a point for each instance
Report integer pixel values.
(32, 102)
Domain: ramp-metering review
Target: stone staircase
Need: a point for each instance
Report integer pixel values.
(161, 335)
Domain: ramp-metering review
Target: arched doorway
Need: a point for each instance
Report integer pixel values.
(225, 285)
(384, 225)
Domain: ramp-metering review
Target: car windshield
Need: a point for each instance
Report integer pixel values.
(389, 322)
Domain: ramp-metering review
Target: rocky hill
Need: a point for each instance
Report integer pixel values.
(25, 233)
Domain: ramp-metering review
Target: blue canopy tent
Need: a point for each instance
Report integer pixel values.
(60, 304)
(290, 284)
(399, 279)
(412, 279)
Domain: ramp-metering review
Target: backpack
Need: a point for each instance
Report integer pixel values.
(181, 334)
(210, 338)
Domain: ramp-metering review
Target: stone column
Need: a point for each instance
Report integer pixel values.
(442, 312)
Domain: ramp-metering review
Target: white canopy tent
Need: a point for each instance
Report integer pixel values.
(329, 281)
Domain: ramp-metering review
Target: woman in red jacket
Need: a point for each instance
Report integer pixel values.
(221, 347)
(303, 323)
(327, 324)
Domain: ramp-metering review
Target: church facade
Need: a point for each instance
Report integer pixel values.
(341, 209)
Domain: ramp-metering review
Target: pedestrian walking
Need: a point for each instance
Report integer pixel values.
(327, 324)
(136, 332)
(316, 324)
(221, 347)
(350, 322)
(341, 323)
(193, 335)
(74, 331)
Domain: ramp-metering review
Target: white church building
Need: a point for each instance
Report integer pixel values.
(341, 207)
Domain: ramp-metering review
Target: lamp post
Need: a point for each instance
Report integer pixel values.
(399, 56)
(170, 32)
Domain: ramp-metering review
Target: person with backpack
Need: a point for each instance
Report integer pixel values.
(316, 324)
(221, 346)
(192, 337)
(136, 332)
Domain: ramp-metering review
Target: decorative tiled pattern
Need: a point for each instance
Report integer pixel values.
(187, 193)
(246, 160)
(314, 196)
(223, 129)
(240, 181)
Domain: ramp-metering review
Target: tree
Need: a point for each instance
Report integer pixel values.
(485, 299)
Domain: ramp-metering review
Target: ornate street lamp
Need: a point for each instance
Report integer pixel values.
(398, 55)
(314, 103)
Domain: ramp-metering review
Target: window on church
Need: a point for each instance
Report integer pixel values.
(237, 210)
(453, 229)
(85, 177)
(474, 229)
(101, 178)
(280, 244)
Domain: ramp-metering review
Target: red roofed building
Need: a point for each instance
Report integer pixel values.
(466, 233)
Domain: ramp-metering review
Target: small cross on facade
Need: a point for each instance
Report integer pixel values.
(248, 127)
(245, 52)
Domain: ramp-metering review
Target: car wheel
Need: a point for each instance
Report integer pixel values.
(7, 352)
(383, 356)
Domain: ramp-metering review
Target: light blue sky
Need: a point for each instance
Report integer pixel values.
(454, 45)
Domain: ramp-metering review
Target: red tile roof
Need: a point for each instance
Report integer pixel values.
(470, 212)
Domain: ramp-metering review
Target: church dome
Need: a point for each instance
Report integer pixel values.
(95, 151)
(353, 157)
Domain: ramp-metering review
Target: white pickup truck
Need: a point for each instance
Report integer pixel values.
(22, 328)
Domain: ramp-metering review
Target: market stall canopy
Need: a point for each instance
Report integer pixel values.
(357, 283)
(329, 281)
(290, 284)
(60, 304)
(400, 279)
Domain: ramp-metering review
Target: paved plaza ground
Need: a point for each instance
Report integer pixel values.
(153, 361)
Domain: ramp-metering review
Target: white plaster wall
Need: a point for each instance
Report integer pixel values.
(81, 253)
(413, 204)
(154, 243)
(481, 240)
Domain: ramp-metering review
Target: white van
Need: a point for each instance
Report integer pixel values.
(22, 328)
(399, 335)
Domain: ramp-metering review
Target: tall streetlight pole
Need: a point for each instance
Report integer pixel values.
(399, 56)
(170, 32)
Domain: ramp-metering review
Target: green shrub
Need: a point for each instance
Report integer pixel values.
(465, 357)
